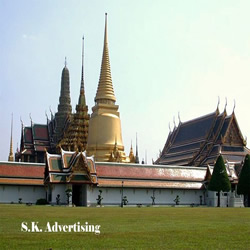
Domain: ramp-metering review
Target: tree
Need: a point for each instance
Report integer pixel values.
(219, 180)
(99, 198)
(177, 200)
(68, 194)
(244, 181)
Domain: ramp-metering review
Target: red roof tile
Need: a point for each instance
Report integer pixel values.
(40, 132)
(17, 169)
(150, 172)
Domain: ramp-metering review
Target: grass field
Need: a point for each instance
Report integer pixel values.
(128, 228)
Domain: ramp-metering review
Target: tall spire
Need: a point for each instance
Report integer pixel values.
(64, 106)
(136, 153)
(82, 78)
(105, 91)
(11, 156)
(82, 100)
(76, 134)
(64, 99)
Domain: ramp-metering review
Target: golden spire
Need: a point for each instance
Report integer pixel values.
(105, 91)
(11, 156)
(131, 154)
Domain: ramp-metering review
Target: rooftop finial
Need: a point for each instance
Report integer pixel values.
(225, 105)
(136, 154)
(65, 62)
(234, 105)
(218, 103)
(11, 156)
(30, 118)
(179, 117)
(21, 122)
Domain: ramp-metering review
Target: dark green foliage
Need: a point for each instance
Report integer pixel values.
(244, 180)
(219, 180)
(99, 198)
(41, 202)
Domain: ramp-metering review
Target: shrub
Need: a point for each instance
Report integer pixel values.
(41, 202)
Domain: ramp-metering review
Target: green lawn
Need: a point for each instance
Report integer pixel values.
(128, 228)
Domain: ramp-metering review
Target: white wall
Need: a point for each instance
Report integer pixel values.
(12, 193)
(58, 189)
(230, 199)
(112, 196)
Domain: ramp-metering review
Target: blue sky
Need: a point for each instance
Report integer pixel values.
(166, 57)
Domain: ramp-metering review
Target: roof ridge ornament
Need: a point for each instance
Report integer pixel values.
(179, 117)
(234, 106)
(225, 105)
(218, 103)
(30, 118)
(21, 121)
(174, 121)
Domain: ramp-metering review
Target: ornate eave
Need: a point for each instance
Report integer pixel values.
(70, 167)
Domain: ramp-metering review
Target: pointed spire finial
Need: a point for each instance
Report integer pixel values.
(30, 118)
(11, 156)
(82, 77)
(82, 100)
(105, 92)
(174, 122)
(136, 153)
(65, 62)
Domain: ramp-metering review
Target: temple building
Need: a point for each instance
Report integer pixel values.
(105, 135)
(79, 159)
(100, 134)
(200, 141)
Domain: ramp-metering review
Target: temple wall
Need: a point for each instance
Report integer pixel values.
(227, 199)
(58, 189)
(112, 196)
(28, 194)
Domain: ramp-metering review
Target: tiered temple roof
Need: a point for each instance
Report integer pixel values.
(200, 141)
(34, 141)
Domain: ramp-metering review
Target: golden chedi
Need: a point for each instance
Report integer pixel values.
(105, 137)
